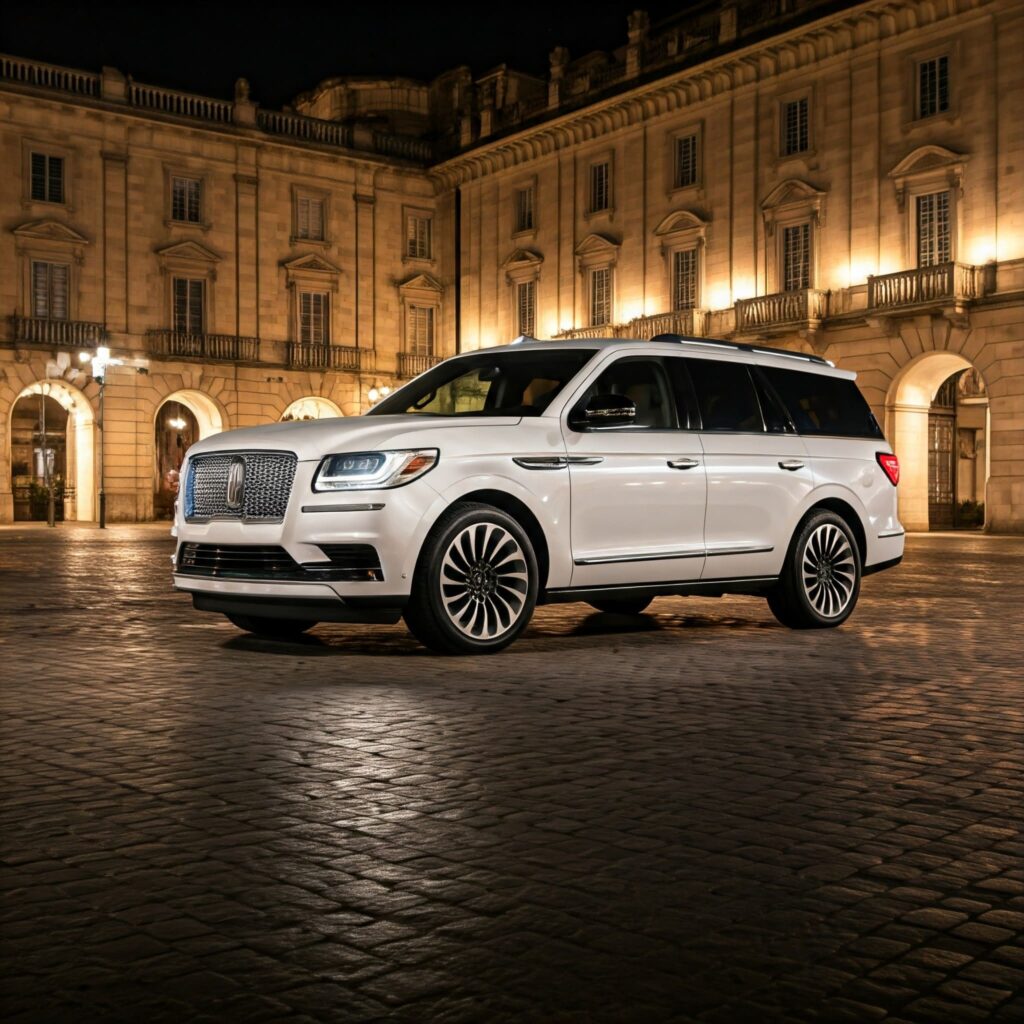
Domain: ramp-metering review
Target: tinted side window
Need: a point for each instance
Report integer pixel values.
(776, 419)
(819, 404)
(725, 396)
(642, 380)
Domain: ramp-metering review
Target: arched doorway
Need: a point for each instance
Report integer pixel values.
(938, 420)
(51, 434)
(311, 408)
(182, 419)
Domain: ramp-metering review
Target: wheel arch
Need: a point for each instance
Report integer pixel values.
(848, 513)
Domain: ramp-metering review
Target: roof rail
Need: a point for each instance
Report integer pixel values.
(683, 339)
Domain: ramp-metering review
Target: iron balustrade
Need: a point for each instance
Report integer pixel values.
(230, 348)
(412, 364)
(35, 330)
(311, 356)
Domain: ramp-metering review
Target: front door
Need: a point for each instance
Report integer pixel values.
(638, 492)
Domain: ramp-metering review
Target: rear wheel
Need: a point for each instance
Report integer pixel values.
(476, 582)
(278, 629)
(622, 606)
(820, 582)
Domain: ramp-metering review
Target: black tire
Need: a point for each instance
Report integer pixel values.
(622, 606)
(276, 629)
(820, 580)
(475, 585)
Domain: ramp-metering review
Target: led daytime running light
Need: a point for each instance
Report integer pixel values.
(371, 471)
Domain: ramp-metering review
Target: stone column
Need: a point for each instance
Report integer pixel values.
(115, 241)
(247, 320)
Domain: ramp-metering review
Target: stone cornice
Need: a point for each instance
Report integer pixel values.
(841, 33)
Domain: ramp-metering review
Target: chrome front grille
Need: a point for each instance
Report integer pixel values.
(268, 484)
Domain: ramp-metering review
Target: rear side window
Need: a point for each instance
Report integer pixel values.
(725, 396)
(819, 404)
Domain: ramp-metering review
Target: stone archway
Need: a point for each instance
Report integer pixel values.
(210, 418)
(78, 472)
(311, 408)
(181, 419)
(908, 406)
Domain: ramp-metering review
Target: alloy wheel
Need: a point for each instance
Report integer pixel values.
(828, 570)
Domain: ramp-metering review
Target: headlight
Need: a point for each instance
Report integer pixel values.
(372, 471)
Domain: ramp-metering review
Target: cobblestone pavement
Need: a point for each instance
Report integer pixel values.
(696, 815)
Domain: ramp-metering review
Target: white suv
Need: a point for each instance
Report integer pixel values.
(601, 471)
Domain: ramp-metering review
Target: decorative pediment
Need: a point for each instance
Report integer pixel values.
(522, 265)
(679, 221)
(792, 197)
(421, 283)
(50, 231)
(191, 251)
(597, 243)
(926, 158)
(312, 264)
(790, 191)
(927, 166)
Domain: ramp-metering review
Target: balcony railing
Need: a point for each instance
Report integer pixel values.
(945, 283)
(595, 331)
(323, 357)
(683, 321)
(49, 76)
(412, 364)
(310, 129)
(34, 330)
(181, 104)
(783, 309)
(223, 347)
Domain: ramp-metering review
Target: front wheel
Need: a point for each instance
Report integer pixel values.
(277, 629)
(820, 581)
(476, 582)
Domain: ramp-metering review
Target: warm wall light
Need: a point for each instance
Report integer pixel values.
(743, 288)
(719, 297)
(981, 250)
(630, 311)
(176, 423)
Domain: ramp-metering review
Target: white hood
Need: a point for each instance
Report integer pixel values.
(313, 439)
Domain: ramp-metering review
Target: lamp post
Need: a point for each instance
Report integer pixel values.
(99, 361)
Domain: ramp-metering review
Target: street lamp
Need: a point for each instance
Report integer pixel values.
(99, 361)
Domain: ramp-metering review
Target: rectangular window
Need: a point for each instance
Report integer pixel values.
(314, 318)
(189, 316)
(524, 209)
(49, 290)
(820, 404)
(795, 127)
(601, 297)
(309, 218)
(417, 237)
(725, 396)
(932, 86)
(686, 161)
(684, 279)
(185, 194)
(934, 240)
(47, 178)
(796, 257)
(420, 331)
(600, 181)
(526, 308)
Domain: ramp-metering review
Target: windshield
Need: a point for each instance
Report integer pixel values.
(507, 383)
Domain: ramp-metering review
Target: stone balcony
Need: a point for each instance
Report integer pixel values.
(37, 330)
(802, 311)
(943, 287)
(340, 358)
(412, 364)
(688, 322)
(229, 348)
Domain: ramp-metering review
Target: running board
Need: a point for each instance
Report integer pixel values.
(675, 588)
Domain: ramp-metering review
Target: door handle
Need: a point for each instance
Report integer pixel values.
(791, 464)
(683, 463)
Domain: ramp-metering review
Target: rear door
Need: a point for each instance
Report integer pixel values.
(638, 492)
(757, 467)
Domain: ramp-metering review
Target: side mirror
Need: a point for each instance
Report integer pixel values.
(606, 411)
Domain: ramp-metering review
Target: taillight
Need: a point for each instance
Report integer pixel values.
(890, 466)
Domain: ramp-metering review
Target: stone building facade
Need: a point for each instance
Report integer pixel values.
(840, 181)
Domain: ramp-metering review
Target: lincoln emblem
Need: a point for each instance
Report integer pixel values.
(236, 483)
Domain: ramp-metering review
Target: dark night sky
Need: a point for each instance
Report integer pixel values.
(291, 47)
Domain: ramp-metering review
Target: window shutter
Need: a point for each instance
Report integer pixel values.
(39, 176)
(55, 179)
(795, 127)
(195, 312)
(526, 302)
(934, 238)
(684, 279)
(796, 257)
(686, 161)
(58, 291)
(40, 289)
(600, 297)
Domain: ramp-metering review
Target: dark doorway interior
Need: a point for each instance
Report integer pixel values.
(39, 442)
(176, 431)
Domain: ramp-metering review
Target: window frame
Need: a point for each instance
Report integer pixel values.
(427, 216)
(608, 269)
(49, 150)
(201, 175)
(409, 340)
(784, 104)
(517, 289)
(675, 385)
(606, 160)
(198, 182)
(203, 308)
(35, 261)
(919, 66)
(913, 122)
(300, 194)
(518, 228)
(689, 359)
(324, 294)
(695, 132)
(784, 227)
(696, 249)
(916, 226)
